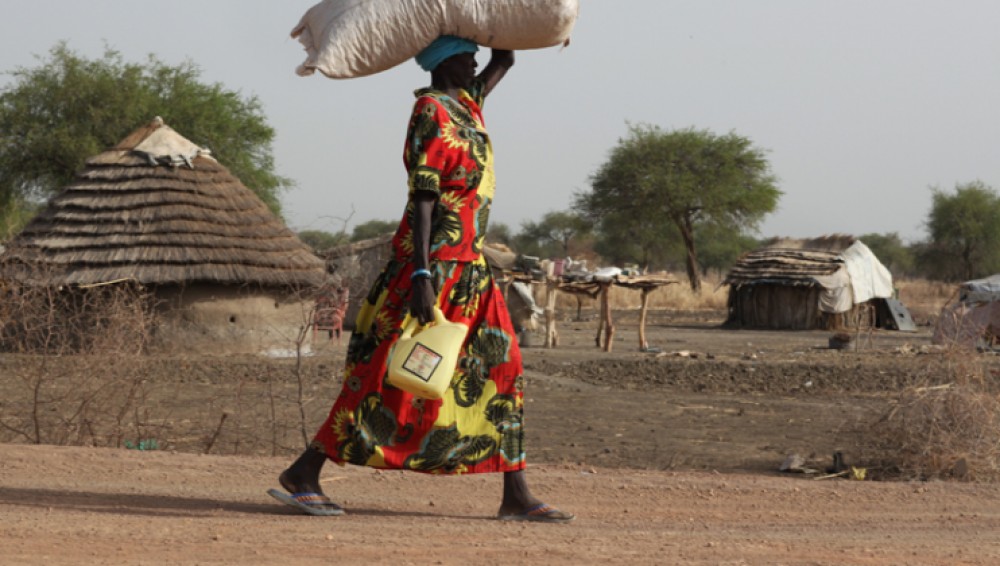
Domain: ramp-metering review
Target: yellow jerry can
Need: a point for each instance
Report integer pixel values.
(424, 359)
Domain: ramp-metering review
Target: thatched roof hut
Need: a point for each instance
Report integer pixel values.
(822, 283)
(159, 211)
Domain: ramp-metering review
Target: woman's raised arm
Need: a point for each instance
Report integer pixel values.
(500, 61)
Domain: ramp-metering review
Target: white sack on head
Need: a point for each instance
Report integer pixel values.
(353, 38)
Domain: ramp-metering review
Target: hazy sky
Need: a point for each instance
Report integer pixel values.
(861, 105)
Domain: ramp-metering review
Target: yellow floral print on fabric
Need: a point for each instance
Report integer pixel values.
(487, 187)
(455, 136)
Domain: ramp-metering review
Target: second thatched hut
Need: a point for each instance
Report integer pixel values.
(831, 282)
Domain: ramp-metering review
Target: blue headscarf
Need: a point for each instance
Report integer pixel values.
(442, 48)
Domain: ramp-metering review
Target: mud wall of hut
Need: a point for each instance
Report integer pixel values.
(224, 320)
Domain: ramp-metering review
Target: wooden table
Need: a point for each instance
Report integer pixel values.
(593, 289)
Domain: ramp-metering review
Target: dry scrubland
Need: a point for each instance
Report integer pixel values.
(936, 412)
(924, 298)
(666, 459)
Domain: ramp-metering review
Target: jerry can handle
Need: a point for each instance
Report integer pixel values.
(414, 326)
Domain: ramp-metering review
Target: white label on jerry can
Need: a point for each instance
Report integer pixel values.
(422, 362)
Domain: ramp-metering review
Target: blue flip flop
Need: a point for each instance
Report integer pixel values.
(309, 503)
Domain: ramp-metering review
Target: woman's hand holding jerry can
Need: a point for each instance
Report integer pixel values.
(422, 299)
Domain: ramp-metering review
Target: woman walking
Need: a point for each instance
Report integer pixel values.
(437, 263)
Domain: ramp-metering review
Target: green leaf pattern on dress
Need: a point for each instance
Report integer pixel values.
(446, 449)
(487, 349)
(374, 425)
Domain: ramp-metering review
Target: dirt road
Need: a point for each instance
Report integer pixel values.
(100, 506)
(665, 460)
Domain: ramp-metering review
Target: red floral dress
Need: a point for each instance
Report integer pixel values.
(476, 427)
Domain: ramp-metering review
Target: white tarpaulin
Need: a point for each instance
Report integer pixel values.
(862, 279)
(354, 38)
(836, 294)
(869, 278)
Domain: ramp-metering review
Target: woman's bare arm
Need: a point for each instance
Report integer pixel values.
(422, 294)
(500, 61)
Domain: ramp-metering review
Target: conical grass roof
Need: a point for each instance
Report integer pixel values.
(158, 209)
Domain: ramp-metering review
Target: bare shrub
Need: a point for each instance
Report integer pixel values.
(59, 321)
(947, 431)
(75, 370)
(99, 399)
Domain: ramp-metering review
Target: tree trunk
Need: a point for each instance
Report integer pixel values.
(967, 260)
(691, 261)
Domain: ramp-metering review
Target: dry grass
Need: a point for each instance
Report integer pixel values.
(925, 298)
(670, 297)
(949, 431)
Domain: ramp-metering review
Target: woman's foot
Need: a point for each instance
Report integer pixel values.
(301, 481)
(542, 513)
(520, 505)
(303, 474)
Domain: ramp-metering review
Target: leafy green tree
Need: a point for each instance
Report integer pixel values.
(56, 115)
(655, 181)
(553, 235)
(891, 251)
(964, 229)
(373, 229)
(14, 216)
(499, 233)
(719, 246)
(320, 240)
(619, 241)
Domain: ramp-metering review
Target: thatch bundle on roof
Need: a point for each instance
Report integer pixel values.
(788, 266)
(157, 209)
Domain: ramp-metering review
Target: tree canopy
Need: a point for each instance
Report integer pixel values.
(656, 182)
(68, 108)
(720, 246)
(499, 233)
(373, 229)
(320, 240)
(552, 236)
(964, 230)
(890, 249)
